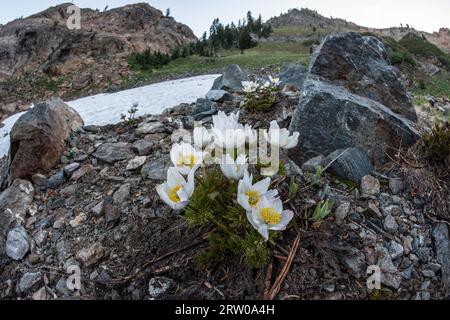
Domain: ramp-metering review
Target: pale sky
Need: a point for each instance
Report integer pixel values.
(425, 15)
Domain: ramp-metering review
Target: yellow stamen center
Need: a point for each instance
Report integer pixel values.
(253, 198)
(187, 160)
(270, 216)
(173, 194)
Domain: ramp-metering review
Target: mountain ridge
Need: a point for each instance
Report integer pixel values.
(310, 18)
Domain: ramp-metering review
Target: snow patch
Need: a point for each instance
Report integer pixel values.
(103, 109)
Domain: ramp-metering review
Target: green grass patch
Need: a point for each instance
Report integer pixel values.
(438, 86)
(397, 53)
(266, 54)
(421, 47)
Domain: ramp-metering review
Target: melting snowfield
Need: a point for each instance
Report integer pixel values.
(103, 109)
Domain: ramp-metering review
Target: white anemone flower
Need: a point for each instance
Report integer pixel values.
(250, 195)
(229, 138)
(185, 158)
(202, 137)
(227, 131)
(234, 170)
(269, 215)
(281, 137)
(249, 86)
(266, 85)
(176, 191)
(222, 122)
(274, 81)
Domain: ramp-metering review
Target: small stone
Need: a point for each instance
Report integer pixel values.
(407, 245)
(342, 212)
(63, 250)
(41, 237)
(312, 164)
(136, 163)
(442, 246)
(292, 169)
(423, 254)
(370, 186)
(396, 186)
(39, 180)
(426, 296)
(69, 191)
(113, 152)
(159, 286)
(121, 195)
(390, 225)
(17, 243)
(78, 220)
(70, 169)
(435, 267)
(216, 95)
(91, 255)
(150, 128)
(393, 211)
(395, 249)
(59, 223)
(41, 295)
(390, 276)
(330, 288)
(29, 280)
(61, 287)
(34, 258)
(428, 273)
(355, 262)
(407, 273)
(156, 169)
(80, 173)
(143, 147)
(351, 164)
(99, 209)
(112, 214)
(203, 105)
(56, 180)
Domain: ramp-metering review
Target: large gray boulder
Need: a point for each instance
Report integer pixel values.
(293, 74)
(352, 98)
(329, 117)
(231, 80)
(38, 138)
(361, 65)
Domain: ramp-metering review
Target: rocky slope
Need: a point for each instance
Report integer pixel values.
(98, 209)
(312, 19)
(40, 53)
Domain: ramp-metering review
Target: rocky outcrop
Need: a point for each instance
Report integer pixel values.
(293, 74)
(231, 80)
(38, 138)
(352, 100)
(361, 65)
(45, 39)
(310, 18)
(41, 48)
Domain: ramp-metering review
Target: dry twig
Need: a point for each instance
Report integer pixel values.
(277, 285)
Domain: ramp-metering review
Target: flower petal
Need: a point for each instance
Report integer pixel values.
(286, 218)
(262, 186)
(264, 232)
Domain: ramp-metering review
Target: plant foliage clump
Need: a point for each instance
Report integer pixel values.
(437, 143)
(262, 98)
(232, 235)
